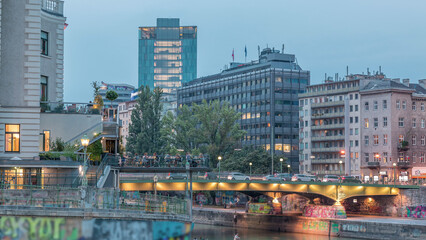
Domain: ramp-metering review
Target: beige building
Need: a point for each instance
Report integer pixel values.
(124, 113)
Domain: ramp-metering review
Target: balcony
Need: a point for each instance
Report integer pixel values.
(327, 115)
(403, 164)
(328, 92)
(326, 161)
(330, 149)
(373, 164)
(327, 138)
(327, 104)
(53, 6)
(403, 146)
(329, 126)
(69, 108)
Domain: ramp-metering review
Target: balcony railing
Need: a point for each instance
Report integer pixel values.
(53, 6)
(68, 107)
(373, 164)
(403, 164)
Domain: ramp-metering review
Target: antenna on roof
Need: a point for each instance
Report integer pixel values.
(380, 69)
(368, 71)
(325, 76)
(258, 50)
(347, 70)
(282, 51)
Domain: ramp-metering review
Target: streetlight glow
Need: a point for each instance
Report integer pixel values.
(85, 141)
(219, 158)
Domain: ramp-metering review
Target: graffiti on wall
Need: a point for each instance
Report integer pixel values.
(259, 208)
(320, 226)
(353, 228)
(416, 212)
(172, 230)
(12, 227)
(116, 229)
(293, 202)
(321, 211)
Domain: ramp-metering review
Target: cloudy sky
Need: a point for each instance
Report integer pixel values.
(101, 41)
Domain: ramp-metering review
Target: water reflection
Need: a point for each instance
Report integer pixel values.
(222, 233)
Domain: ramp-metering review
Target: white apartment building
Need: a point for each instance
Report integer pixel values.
(125, 113)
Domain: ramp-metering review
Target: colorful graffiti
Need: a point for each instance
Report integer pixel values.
(12, 227)
(293, 202)
(353, 228)
(416, 212)
(321, 211)
(263, 208)
(320, 226)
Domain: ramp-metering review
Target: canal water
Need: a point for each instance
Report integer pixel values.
(210, 232)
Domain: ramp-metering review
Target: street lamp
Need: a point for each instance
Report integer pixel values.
(219, 158)
(85, 142)
(250, 169)
(288, 168)
(281, 160)
(394, 174)
(340, 164)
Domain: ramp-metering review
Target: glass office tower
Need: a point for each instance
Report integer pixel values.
(167, 57)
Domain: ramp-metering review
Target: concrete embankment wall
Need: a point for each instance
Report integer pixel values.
(298, 224)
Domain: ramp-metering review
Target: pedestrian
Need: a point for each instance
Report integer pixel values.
(235, 217)
(236, 237)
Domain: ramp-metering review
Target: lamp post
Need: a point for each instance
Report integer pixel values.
(394, 174)
(340, 166)
(288, 168)
(281, 160)
(85, 142)
(219, 158)
(250, 169)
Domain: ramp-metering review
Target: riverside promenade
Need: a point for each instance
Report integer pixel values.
(355, 226)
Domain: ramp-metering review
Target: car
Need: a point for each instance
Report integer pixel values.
(278, 177)
(238, 176)
(209, 175)
(330, 178)
(304, 178)
(350, 179)
(172, 176)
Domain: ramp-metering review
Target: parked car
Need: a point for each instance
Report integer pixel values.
(238, 176)
(278, 177)
(304, 178)
(330, 178)
(209, 175)
(350, 179)
(172, 176)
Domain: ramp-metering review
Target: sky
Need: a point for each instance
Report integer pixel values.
(101, 40)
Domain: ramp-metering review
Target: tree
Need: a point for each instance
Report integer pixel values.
(218, 131)
(258, 156)
(111, 95)
(97, 98)
(185, 129)
(145, 130)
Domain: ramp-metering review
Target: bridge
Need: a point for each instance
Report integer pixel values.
(334, 191)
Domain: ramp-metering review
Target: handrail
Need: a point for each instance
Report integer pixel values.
(84, 132)
(101, 167)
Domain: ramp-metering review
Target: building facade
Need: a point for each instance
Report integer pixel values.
(124, 92)
(266, 93)
(125, 115)
(32, 62)
(167, 57)
(329, 117)
(378, 122)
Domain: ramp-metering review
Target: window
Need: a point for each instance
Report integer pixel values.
(44, 43)
(356, 119)
(385, 121)
(356, 143)
(404, 104)
(414, 123)
(413, 140)
(366, 122)
(385, 104)
(398, 104)
(385, 157)
(414, 157)
(351, 131)
(413, 106)
(356, 95)
(46, 141)
(351, 119)
(366, 140)
(422, 157)
(356, 131)
(43, 88)
(401, 138)
(366, 157)
(356, 108)
(422, 140)
(376, 139)
(422, 107)
(376, 122)
(423, 123)
(376, 157)
(366, 106)
(12, 134)
(385, 139)
(375, 105)
(351, 107)
(401, 122)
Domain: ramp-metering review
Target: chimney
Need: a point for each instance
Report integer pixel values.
(422, 82)
(406, 82)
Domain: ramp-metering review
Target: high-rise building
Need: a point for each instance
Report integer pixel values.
(266, 93)
(124, 92)
(167, 57)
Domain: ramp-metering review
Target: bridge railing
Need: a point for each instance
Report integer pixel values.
(159, 161)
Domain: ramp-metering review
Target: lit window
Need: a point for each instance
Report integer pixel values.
(286, 147)
(366, 122)
(12, 134)
(278, 147)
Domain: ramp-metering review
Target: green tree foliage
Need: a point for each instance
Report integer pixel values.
(95, 150)
(185, 129)
(259, 157)
(218, 132)
(145, 131)
(97, 98)
(111, 95)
